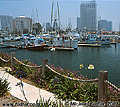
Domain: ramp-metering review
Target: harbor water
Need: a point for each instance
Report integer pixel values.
(103, 58)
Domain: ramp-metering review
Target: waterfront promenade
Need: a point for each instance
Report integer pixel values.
(32, 93)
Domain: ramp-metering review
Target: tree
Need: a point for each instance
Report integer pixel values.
(37, 28)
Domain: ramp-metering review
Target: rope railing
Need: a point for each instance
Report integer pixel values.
(112, 85)
(27, 65)
(103, 75)
(94, 80)
(4, 60)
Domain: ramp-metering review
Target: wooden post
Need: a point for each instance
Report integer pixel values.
(1, 64)
(44, 63)
(70, 42)
(12, 60)
(102, 86)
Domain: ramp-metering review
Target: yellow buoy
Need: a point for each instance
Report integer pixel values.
(81, 66)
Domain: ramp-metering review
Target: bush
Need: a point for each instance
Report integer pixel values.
(4, 86)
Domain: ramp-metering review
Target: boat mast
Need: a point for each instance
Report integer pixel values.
(58, 16)
(52, 16)
(52, 20)
(55, 22)
(37, 20)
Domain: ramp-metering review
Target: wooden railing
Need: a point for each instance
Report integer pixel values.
(102, 79)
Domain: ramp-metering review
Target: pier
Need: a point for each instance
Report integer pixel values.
(90, 45)
(59, 48)
(114, 43)
(8, 45)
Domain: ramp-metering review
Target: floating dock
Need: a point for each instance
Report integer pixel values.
(65, 49)
(90, 45)
(113, 43)
(7, 45)
(59, 48)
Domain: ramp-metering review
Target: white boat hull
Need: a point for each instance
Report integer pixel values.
(71, 43)
(105, 42)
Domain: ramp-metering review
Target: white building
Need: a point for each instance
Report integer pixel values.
(22, 23)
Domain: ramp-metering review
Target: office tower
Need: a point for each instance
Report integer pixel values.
(78, 23)
(104, 25)
(109, 26)
(5, 22)
(88, 15)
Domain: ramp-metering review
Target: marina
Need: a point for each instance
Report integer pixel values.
(62, 49)
(68, 41)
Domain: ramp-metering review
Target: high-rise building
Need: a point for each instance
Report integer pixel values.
(88, 15)
(5, 22)
(109, 26)
(78, 23)
(48, 27)
(104, 25)
(21, 23)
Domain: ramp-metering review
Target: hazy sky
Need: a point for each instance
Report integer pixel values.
(69, 10)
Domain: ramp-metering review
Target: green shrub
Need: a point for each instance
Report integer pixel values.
(4, 86)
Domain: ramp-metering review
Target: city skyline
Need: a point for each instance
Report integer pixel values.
(68, 10)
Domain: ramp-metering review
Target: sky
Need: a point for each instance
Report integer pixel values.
(69, 10)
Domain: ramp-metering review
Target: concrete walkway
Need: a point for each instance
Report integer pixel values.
(32, 93)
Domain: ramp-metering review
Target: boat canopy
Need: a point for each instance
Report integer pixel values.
(26, 34)
(41, 40)
(31, 36)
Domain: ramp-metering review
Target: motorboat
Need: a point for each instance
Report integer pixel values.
(31, 42)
